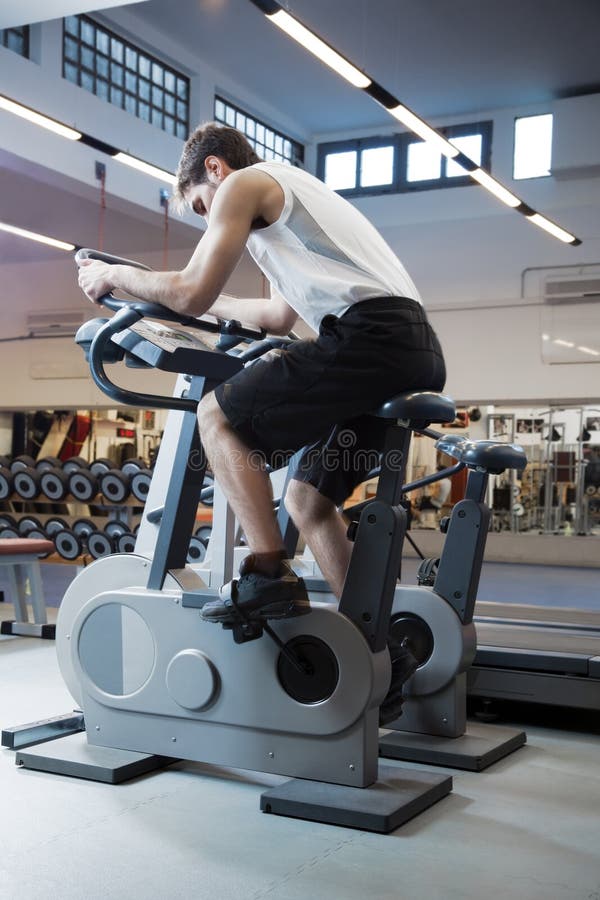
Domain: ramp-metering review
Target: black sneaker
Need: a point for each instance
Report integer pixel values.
(255, 596)
(404, 664)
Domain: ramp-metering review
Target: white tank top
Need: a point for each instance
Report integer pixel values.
(322, 255)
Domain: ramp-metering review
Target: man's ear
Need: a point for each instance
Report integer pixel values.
(214, 166)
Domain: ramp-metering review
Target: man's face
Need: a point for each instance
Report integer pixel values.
(200, 197)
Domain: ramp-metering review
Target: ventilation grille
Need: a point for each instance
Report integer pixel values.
(572, 290)
(57, 323)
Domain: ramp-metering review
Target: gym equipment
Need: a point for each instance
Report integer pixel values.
(132, 465)
(53, 525)
(54, 483)
(6, 483)
(7, 521)
(302, 695)
(27, 524)
(101, 466)
(83, 528)
(27, 482)
(73, 463)
(68, 545)
(126, 542)
(140, 484)
(22, 462)
(115, 486)
(48, 462)
(20, 556)
(100, 544)
(83, 484)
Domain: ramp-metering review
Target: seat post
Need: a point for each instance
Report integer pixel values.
(368, 592)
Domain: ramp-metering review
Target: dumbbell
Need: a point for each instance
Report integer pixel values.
(74, 463)
(29, 523)
(115, 486)
(67, 544)
(83, 484)
(7, 521)
(101, 465)
(6, 483)
(48, 462)
(9, 533)
(54, 483)
(132, 465)
(198, 544)
(126, 542)
(5, 462)
(26, 482)
(22, 462)
(140, 484)
(53, 525)
(100, 544)
(39, 534)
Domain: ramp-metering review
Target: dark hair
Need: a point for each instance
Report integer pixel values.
(211, 139)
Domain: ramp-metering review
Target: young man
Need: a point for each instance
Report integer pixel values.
(327, 265)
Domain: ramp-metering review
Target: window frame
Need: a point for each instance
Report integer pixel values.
(181, 123)
(298, 149)
(24, 32)
(401, 141)
(547, 174)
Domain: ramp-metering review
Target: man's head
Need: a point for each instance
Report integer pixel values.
(210, 153)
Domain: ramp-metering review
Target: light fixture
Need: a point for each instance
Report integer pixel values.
(315, 45)
(553, 229)
(589, 351)
(38, 119)
(34, 236)
(146, 168)
(495, 188)
(423, 130)
(562, 343)
(298, 32)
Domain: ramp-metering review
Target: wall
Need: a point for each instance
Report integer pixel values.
(467, 252)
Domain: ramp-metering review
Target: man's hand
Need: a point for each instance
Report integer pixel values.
(95, 278)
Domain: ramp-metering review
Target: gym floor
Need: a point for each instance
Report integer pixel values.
(528, 826)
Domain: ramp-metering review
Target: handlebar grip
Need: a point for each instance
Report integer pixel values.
(110, 258)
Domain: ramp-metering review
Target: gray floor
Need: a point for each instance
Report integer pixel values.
(526, 828)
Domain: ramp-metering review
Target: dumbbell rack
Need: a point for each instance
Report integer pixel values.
(110, 532)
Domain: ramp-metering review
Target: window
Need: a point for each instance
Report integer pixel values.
(16, 39)
(401, 162)
(116, 71)
(533, 146)
(267, 142)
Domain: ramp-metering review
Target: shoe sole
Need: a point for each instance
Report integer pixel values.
(282, 610)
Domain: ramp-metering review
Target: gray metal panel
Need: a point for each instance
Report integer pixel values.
(72, 755)
(479, 747)
(397, 796)
(534, 687)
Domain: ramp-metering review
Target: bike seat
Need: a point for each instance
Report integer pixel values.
(418, 407)
(493, 456)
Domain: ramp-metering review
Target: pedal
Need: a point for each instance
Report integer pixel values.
(245, 631)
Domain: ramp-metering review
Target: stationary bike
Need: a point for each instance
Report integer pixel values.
(296, 697)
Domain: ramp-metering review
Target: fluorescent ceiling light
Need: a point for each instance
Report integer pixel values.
(553, 229)
(494, 187)
(423, 130)
(38, 119)
(319, 48)
(589, 350)
(562, 343)
(145, 167)
(33, 236)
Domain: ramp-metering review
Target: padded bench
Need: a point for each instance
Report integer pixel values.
(20, 556)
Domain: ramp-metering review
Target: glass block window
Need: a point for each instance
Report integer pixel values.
(533, 146)
(401, 162)
(16, 39)
(105, 64)
(267, 142)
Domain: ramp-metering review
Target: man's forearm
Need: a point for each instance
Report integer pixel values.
(258, 312)
(168, 288)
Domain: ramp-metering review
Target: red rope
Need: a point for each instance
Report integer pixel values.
(165, 262)
(102, 210)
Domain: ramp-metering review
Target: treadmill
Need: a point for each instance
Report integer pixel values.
(535, 654)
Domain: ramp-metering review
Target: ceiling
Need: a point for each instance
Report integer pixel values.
(440, 57)
(27, 11)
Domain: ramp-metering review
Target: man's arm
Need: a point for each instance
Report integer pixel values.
(194, 289)
(274, 315)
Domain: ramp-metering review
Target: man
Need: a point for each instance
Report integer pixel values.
(327, 265)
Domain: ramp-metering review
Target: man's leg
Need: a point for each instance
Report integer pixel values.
(267, 587)
(324, 530)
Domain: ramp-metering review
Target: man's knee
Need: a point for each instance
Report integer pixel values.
(305, 504)
(210, 417)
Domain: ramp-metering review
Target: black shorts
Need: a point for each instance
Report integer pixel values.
(317, 393)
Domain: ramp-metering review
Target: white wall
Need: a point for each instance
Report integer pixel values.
(468, 254)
